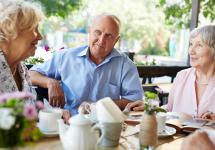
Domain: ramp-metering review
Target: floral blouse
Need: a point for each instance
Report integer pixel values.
(7, 81)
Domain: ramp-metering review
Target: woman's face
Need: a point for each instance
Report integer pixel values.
(201, 55)
(24, 45)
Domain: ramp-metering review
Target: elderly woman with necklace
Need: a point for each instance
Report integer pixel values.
(193, 90)
(19, 36)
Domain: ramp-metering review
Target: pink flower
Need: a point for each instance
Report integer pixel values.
(47, 48)
(61, 48)
(16, 95)
(4, 97)
(39, 105)
(30, 112)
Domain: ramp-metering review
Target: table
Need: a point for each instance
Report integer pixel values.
(129, 139)
(126, 143)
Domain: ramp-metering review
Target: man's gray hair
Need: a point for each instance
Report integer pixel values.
(207, 34)
(111, 16)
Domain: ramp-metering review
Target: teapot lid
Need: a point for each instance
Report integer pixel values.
(79, 119)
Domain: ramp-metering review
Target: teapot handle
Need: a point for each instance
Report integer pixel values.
(97, 127)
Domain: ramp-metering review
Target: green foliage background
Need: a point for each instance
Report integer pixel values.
(60, 8)
(179, 13)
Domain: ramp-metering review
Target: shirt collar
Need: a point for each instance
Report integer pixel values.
(83, 52)
(114, 53)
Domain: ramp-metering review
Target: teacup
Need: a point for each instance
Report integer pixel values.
(161, 119)
(48, 119)
(109, 133)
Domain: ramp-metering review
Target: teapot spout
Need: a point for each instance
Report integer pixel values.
(62, 128)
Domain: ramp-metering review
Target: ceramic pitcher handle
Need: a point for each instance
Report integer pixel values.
(97, 127)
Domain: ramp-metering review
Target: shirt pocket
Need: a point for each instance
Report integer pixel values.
(112, 91)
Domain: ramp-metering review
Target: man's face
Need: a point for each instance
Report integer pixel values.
(103, 35)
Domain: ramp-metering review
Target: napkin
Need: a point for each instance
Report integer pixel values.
(48, 107)
(108, 111)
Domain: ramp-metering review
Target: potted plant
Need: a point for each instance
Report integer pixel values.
(29, 62)
(148, 125)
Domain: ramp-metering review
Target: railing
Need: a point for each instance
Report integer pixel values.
(149, 72)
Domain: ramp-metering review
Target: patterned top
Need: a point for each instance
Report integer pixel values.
(7, 80)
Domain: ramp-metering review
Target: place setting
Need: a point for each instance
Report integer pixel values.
(162, 129)
(48, 120)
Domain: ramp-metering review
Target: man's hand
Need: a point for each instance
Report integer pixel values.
(56, 94)
(66, 115)
(199, 140)
(136, 106)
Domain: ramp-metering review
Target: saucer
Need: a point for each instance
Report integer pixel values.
(169, 131)
(48, 133)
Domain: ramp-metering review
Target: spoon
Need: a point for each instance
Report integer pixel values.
(126, 111)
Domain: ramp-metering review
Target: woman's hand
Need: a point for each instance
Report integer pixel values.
(66, 115)
(136, 106)
(208, 115)
(199, 140)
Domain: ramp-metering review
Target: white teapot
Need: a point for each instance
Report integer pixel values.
(77, 136)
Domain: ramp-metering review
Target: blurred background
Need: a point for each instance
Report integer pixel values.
(155, 31)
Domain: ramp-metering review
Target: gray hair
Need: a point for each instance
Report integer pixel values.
(17, 16)
(207, 34)
(111, 16)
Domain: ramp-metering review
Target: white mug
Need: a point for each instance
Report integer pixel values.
(161, 120)
(48, 119)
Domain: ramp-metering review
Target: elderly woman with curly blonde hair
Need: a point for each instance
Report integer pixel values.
(19, 36)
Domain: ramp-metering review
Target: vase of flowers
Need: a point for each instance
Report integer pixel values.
(148, 125)
(18, 119)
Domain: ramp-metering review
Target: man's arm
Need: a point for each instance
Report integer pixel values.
(55, 92)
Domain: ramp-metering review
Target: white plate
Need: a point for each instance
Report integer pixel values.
(169, 131)
(48, 133)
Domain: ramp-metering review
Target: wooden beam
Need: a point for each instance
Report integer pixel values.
(194, 14)
(194, 19)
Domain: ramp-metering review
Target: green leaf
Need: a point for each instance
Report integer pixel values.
(159, 109)
(150, 95)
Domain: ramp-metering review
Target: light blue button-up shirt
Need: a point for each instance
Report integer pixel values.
(82, 80)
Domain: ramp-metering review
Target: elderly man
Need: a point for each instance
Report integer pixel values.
(83, 75)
